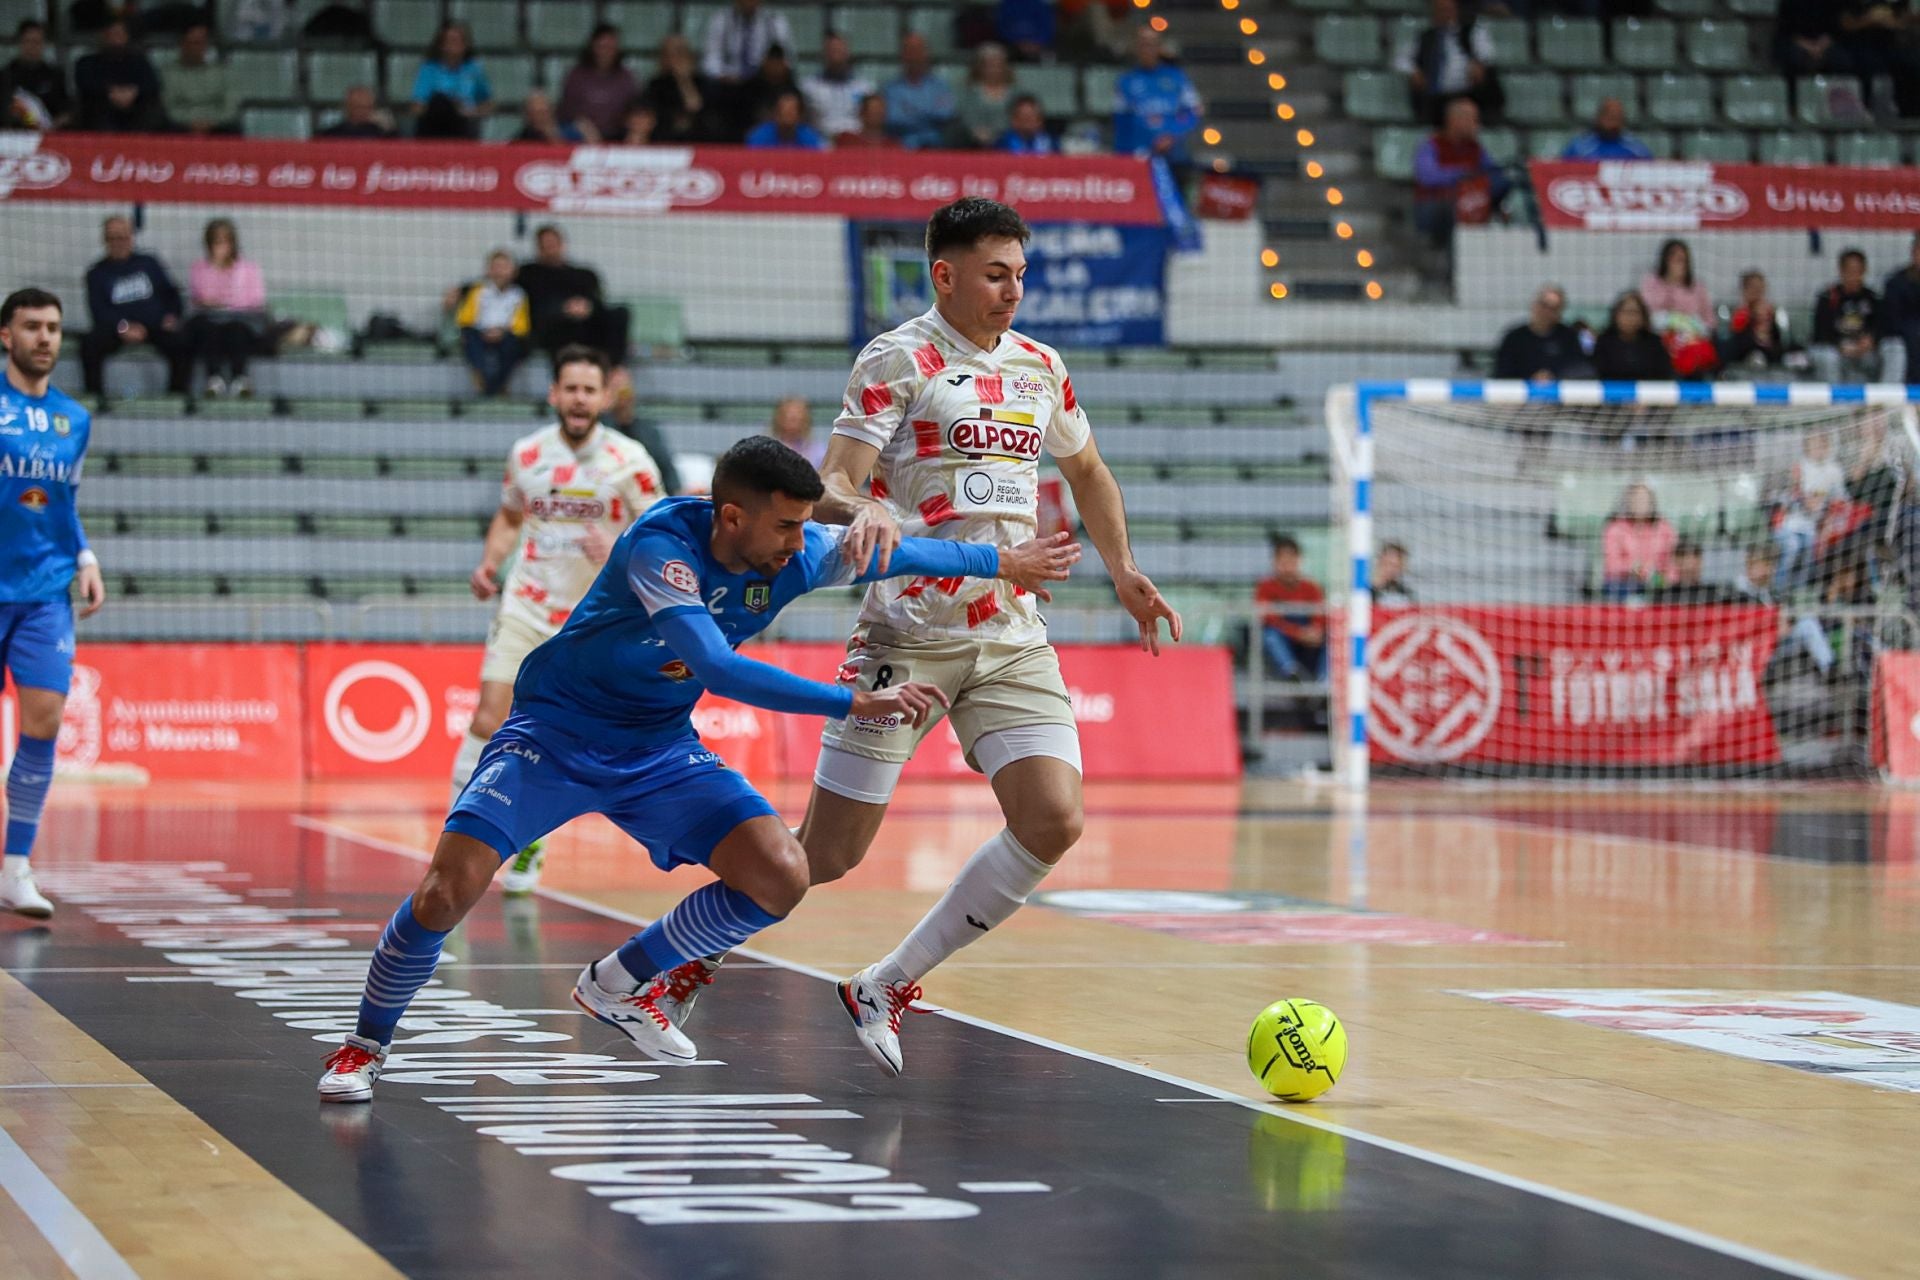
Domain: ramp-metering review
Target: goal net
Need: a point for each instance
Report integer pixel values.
(1625, 582)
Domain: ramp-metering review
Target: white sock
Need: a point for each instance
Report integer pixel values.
(13, 864)
(464, 762)
(988, 890)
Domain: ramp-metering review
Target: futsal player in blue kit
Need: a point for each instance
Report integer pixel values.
(43, 553)
(600, 724)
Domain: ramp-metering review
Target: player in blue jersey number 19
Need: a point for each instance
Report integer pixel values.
(600, 724)
(43, 557)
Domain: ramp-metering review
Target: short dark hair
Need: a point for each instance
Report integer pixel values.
(199, 22)
(601, 29)
(545, 227)
(1763, 551)
(20, 299)
(760, 466)
(1399, 547)
(1284, 542)
(969, 220)
(29, 24)
(1852, 253)
(581, 353)
(1688, 547)
(1023, 100)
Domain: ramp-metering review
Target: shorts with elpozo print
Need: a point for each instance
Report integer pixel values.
(992, 686)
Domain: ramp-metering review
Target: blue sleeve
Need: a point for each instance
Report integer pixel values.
(824, 566)
(695, 639)
(422, 91)
(482, 87)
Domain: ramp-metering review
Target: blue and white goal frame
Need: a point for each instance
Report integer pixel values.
(1355, 454)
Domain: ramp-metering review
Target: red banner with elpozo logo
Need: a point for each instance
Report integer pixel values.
(558, 179)
(1598, 685)
(1692, 195)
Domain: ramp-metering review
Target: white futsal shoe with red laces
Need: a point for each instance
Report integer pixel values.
(683, 987)
(351, 1071)
(638, 1015)
(875, 1008)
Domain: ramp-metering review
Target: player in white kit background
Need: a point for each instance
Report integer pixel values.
(569, 490)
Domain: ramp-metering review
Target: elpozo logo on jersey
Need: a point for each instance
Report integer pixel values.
(998, 435)
(620, 178)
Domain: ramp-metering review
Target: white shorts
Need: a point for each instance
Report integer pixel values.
(509, 640)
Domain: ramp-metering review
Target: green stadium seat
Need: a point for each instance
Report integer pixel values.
(318, 308)
(873, 32)
(1097, 89)
(1393, 149)
(1717, 46)
(1323, 6)
(1743, 507)
(1348, 40)
(1535, 97)
(1793, 147)
(1572, 44)
(1685, 8)
(1582, 503)
(1833, 102)
(1588, 91)
(559, 25)
(330, 75)
(405, 24)
(1547, 144)
(14, 12)
(1396, 6)
(511, 76)
(1512, 40)
(1057, 87)
(495, 23)
(1754, 8)
(1502, 144)
(265, 75)
(399, 68)
(1380, 97)
(1728, 146)
(1658, 141)
(1646, 44)
(276, 122)
(554, 68)
(643, 25)
(500, 127)
(1755, 102)
(1683, 100)
(808, 25)
(1868, 150)
(1692, 503)
(658, 323)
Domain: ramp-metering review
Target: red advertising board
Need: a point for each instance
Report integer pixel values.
(1896, 714)
(180, 711)
(388, 710)
(1572, 685)
(1655, 195)
(558, 179)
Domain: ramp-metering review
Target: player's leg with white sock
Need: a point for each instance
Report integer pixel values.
(28, 781)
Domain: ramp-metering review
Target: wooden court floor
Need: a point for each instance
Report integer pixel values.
(1588, 991)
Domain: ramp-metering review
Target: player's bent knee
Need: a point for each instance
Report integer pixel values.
(787, 877)
(1049, 833)
(462, 868)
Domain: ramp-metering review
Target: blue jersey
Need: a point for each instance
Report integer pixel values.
(43, 441)
(612, 676)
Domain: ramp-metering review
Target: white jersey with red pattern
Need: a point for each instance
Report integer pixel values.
(960, 433)
(561, 492)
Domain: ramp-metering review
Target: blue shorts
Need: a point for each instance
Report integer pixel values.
(36, 644)
(678, 799)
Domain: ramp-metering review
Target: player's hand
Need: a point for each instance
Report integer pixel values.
(482, 582)
(93, 589)
(1040, 560)
(913, 702)
(596, 545)
(1139, 597)
(872, 539)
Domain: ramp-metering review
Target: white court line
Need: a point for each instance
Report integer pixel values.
(1295, 1115)
(1002, 1188)
(77, 1241)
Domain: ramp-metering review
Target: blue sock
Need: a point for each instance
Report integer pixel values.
(711, 919)
(27, 784)
(402, 963)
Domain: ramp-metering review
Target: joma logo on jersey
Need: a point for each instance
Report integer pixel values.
(34, 499)
(560, 506)
(986, 438)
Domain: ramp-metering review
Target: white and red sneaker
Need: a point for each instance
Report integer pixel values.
(351, 1071)
(683, 987)
(19, 893)
(637, 1015)
(875, 1008)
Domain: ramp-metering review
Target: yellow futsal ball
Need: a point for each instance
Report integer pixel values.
(1297, 1049)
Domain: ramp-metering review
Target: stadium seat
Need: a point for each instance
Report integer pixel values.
(1683, 100)
(1743, 507)
(1833, 102)
(1868, 150)
(1393, 149)
(1589, 90)
(1658, 141)
(495, 23)
(1646, 44)
(1536, 97)
(643, 25)
(263, 75)
(14, 12)
(936, 24)
(1691, 502)
(873, 33)
(1572, 44)
(1728, 146)
(1097, 88)
(554, 68)
(658, 324)
(559, 25)
(1323, 6)
(276, 122)
(1502, 144)
(1582, 503)
(1755, 8)
(404, 24)
(400, 67)
(330, 75)
(1685, 8)
(808, 25)
(1793, 147)
(1057, 87)
(1512, 40)
(1755, 102)
(1396, 6)
(322, 310)
(1717, 46)
(500, 127)
(1347, 40)
(1380, 97)
(1547, 144)
(511, 76)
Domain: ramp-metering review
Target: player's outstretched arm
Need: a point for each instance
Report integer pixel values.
(1031, 564)
(872, 533)
(1104, 513)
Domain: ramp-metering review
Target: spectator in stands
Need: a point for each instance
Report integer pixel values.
(624, 413)
(31, 71)
(1390, 589)
(117, 89)
(1628, 350)
(1093, 30)
(1900, 315)
(540, 123)
(639, 125)
(1455, 181)
(1806, 35)
(1293, 629)
(566, 301)
(1681, 311)
(1636, 547)
(1026, 133)
(1846, 325)
(873, 131)
(229, 309)
(1155, 105)
(738, 38)
(1755, 583)
(755, 99)
(686, 103)
(1756, 349)
(986, 104)
(1608, 139)
(598, 88)
(360, 117)
(1687, 584)
(1876, 37)
(1877, 474)
(494, 321)
(132, 302)
(1545, 348)
(1451, 59)
(835, 94)
(1815, 482)
(259, 21)
(792, 425)
(787, 127)
(199, 94)
(450, 91)
(920, 104)
(1027, 27)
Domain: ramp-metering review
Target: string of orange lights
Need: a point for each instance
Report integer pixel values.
(1303, 136)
